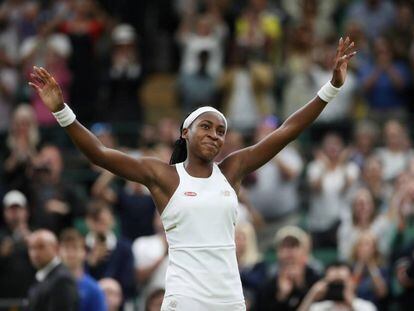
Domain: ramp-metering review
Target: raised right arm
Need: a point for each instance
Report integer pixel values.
(141, 170)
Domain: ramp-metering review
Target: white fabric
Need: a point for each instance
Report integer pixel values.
(42, 274)
(196, 113)
(329, 204)
(357, 305)
(328, 92)
(199, 221)
(65, 117)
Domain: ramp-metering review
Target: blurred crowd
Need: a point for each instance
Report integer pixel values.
(329, 222)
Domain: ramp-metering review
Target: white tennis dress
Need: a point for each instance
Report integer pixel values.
(199, 222)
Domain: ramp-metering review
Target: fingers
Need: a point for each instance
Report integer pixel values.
(37, 79)
(344, 46)
(35, 86)
(43, 74)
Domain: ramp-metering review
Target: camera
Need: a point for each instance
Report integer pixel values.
(335, 291)
(101, 238)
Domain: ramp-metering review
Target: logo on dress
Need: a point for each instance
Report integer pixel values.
(190, 194)
(226, 193)
(172, 305)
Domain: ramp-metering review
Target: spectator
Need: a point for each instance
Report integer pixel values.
(274, 192)
(385, 81)
(330, 177)
(124, 78)
(365, 139)
(22, 142)
(372, 179)
(335, 292)
(370, 275)
(113, 293)
(108, 256)
(294, 276)
(56, 288)
(396, 153)
(56, 203)
(364, 217)
(73, 253)
(16, 272)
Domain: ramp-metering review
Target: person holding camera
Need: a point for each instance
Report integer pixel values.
(335, 291)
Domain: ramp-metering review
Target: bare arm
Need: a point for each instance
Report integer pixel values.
(139, 170)
(251, 158)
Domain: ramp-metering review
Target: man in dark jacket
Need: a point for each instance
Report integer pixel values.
(55, 288)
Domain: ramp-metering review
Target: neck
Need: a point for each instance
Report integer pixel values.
(198, 168)
(77, 271)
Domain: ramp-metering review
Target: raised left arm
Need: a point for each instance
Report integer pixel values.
(253, 157)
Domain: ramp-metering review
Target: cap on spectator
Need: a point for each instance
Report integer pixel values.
(14, 197)
(123, 34)
(292, 235)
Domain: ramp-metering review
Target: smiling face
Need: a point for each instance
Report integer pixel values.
(205, 136)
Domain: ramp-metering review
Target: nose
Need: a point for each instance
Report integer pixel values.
(213, 135)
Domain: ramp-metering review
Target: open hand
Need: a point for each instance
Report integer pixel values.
(47, 88)
(342, 57)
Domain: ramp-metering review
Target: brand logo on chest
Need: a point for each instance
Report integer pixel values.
(226, 193)
(190, 194)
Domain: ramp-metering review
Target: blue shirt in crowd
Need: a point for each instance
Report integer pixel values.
(91, 295)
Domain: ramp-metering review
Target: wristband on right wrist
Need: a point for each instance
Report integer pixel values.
(65, 117)
(328, 92)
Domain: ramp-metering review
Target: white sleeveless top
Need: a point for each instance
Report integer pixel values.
(199, 222)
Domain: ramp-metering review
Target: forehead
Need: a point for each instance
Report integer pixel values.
(211, 116)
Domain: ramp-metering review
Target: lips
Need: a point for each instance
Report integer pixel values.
(211, 145)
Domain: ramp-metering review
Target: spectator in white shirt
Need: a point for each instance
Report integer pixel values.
(330, 177)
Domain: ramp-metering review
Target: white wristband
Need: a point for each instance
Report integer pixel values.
(65, 117)
(328, 92)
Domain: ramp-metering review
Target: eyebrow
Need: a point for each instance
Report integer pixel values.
(210, 122)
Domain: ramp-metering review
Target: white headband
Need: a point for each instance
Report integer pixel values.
(196, 113)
